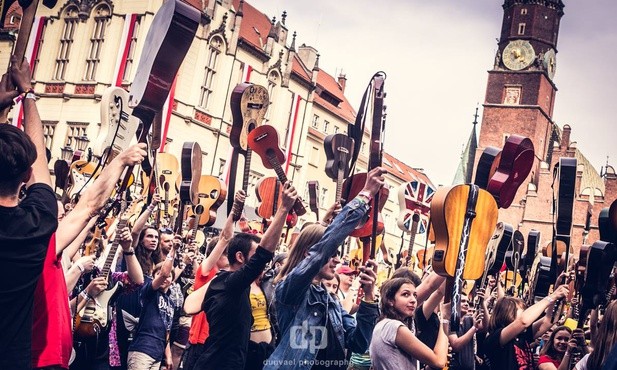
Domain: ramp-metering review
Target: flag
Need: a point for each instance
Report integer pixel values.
(418, 196)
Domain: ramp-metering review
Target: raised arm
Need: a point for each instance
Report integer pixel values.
(226, 233)
(22, 77)
(530, 315)
(272, 236)
(95, 197)
(141, 221)
(128, 253)
(165, 270)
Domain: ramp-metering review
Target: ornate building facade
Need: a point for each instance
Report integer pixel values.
(81, 47)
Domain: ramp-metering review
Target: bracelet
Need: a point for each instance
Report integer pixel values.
(169, 257)
(130, 252)
(30, 95)
(549, 299)
(367, 195)
(444, 321)
(80, 267)
(369, 302)
(151, 208)
(85, 295)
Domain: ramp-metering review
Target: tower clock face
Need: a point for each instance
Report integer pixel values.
(518, 54)
(550, 63)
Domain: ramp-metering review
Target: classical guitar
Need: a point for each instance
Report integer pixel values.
(487, 165)
(515, 164)
(339, 151)
(463, 217)
(211, 194)
(313, 190)
(118, 125)
(96, 315)
(249, 104)
(264, 141)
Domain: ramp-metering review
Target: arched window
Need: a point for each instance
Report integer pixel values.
(274, 79)
(214, 50)
(102, 14)
(66, 41)
(130, 56)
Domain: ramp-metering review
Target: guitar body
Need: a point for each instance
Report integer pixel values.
(79, 173)
(167, 168)
(533, 241)
(513, 255)
(95, 316)
(191, 172)
(541, 279)
(268, 191)
(339, 151)
(425, 257)
(249, 104)
(515, 164)
(497, 247)
(169, 38)
(118, 125)
(607, 223)
(448, 212)
(602, 257)
(487, 165)
(264, 141)
(352, 186)
(210, 195)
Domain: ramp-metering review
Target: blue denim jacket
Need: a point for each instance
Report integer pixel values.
(301, 306)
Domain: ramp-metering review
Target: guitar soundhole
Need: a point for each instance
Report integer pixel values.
(214, 194)
(199, 209)
(438, 256)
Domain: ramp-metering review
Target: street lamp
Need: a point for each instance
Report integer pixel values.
(66, 153)
(82, 142)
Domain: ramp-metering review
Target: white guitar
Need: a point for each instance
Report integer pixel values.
(96, 315)
(118, 125)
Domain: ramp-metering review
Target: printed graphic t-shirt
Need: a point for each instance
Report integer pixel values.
(514, 355)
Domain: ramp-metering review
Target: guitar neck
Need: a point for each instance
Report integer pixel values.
(339, 186)
(247, 169)
(114, 247)
(298, 206)
(412, 240)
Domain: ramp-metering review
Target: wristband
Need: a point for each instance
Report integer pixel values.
(366, 194)
(151, 208)
(80, 267)
(369, 302)
(444, 321)
(85, 295)
(130, 252)
(549, 299)
(30, 95)
(169, 257)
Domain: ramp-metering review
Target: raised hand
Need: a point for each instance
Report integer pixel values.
(368, 277)
(289, 196)
(374, 180)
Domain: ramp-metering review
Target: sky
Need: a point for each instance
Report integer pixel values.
(436, 54)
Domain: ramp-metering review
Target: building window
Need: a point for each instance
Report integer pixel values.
(75, 130)
(66, 41)
(49, 129)
(314, 157)
(336, 129)
(322, 196)
(521, 28)
(214, 50)
(35, 64)
(222, 166)
(524, 11)
(326, 126)
(102, 16)
(273, 81)
(315, 122)
(130, 56)
(14, 19)
(363, 148)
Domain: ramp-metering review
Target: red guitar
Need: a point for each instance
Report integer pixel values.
(269, 196)
(515, 164)
(264, 141)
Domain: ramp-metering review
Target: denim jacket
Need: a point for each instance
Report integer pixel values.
(301, 306)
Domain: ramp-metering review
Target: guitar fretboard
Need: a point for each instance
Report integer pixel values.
(114, 247)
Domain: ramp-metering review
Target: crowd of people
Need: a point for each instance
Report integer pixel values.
(152, 300)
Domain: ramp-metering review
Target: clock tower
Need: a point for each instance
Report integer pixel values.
(521, 93)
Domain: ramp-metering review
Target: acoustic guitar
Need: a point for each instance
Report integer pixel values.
(191, 173)
(463, 217)
(167, 169)
(487, 166)
(268, 191)
(533, 240)
(249, 104)
(515, 164)
(211, 194)
(264, 141)
(566, 174)
(339, 152)
(118, 125)
(513, 257)
(495, 255)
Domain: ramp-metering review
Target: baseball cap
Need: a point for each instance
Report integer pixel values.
(345, 270)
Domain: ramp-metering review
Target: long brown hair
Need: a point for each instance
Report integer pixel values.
(606, 338)
(504, 312)
(388, 292)
(147, 262)
(549, 347)
(308, 237)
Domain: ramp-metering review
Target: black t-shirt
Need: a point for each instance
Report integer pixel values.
(514, 355)
(464, 359)
(25, 231)
(426, 329)
(228, 309)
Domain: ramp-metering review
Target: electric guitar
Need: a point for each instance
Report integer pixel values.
(96, 315)
(265, 142)
(80, 173)
(118, 125)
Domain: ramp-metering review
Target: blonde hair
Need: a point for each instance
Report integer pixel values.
(308, 237)
(606, 338)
